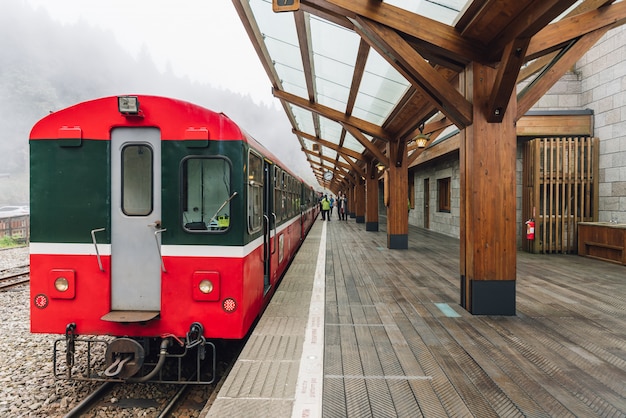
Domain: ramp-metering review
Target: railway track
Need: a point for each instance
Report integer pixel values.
(154, 399)
(164, 400)
(14, 277)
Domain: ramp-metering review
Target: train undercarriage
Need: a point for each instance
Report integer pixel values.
(168, 359)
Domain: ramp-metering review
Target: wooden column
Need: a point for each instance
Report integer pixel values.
(351, 202)
(371, 199)
(359, 201)
(487, 212)
(397, 209)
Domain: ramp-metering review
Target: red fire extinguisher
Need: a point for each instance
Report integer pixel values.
(530, 229)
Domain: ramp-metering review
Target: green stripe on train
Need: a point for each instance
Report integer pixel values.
(70, 189)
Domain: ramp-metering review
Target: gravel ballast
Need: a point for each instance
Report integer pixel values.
(27, 384)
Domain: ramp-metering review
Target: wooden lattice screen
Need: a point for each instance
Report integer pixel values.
(560, 182)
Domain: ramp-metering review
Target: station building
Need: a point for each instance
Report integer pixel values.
(490, 118)
(591, 97)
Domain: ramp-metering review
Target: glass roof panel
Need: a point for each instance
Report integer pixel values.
(350, 142)
(303, 119)
(445, 134)
(444, 11)
(281, 40)
(334, 55)
(314, 159)
(330, 153)
(381, 88)
(330, 130)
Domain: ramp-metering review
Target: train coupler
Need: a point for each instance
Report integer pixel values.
(195, 338)
(124, 358)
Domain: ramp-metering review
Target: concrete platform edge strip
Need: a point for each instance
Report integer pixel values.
(308, 396)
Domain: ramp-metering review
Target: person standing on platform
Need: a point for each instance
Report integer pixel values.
(332, 204)
(339, 207)
(325, 208)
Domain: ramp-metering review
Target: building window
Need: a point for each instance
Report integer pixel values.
(443, 194)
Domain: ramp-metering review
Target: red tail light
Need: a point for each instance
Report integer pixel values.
(40, 301)
(229, 305)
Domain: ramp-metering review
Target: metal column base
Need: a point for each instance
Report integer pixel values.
(398, 241)
(492, 297)
(371, 226)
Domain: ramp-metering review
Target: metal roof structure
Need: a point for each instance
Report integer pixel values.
(356, 75)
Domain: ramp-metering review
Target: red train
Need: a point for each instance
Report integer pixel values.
(157, 226)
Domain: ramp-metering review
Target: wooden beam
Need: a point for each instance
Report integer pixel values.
(540, 86)
(538, 125)
(357, 75)
(400, 153)
(558, 34)
(330, 113)
(436, 37)
(535, 66)
(414, 110)
(436, 150)
(535, 16)
(355, 166)
(330, 160)
(437, 125)
(506, 79)
(303, 30)
(328, 12)
(417, 70)
(367, 144)
(341, 150)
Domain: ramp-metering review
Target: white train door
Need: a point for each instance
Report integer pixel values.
(135, 224)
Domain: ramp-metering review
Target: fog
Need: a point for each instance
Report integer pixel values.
(46, 66)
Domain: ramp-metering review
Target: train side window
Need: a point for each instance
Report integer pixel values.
(206, 193)
(280, 213)
(137, 180)
(283, 200)
(255, 192)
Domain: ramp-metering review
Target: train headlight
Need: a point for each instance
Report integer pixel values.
(128, 105)
(205, 286)
(61, 284)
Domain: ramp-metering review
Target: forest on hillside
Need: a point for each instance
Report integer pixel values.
(46, 66)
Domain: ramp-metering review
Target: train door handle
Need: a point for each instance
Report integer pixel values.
(275, 232)
(266, 236)
(156, 239)
(95, 244)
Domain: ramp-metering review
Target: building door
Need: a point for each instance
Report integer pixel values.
(135, 221)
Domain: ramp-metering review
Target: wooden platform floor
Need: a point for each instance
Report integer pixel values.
(397, 343)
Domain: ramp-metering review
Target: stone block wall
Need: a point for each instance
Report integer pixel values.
(603, 89)
(447, 223)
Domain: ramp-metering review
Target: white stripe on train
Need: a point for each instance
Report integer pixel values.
(57, 248)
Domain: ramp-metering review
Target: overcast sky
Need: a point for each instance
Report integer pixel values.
(202, 39)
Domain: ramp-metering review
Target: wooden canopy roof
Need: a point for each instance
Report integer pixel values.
(354, 75)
